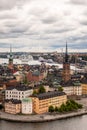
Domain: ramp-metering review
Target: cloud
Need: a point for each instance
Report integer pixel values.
(79, 2)
(9, 4)
(44, 25)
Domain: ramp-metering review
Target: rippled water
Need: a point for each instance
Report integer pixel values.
(77, 123)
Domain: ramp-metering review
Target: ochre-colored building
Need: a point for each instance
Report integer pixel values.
(12, 106)
(42, 101)
(84, 87)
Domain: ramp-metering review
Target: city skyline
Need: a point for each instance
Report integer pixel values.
(43, 26)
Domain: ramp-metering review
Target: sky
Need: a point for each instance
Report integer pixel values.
(43, 25)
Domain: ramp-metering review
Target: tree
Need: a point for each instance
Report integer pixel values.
(41, 89)
(56, 109)
(51, 109)
(60, 89)
(25, 81)
(35, 92)
(1, 106)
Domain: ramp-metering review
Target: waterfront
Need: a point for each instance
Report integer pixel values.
(76, 123)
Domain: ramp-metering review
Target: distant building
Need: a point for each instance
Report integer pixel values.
(27, 106)
(18, 92)
(42, 101)
(36, 76)
(12, 106)
(10, 59)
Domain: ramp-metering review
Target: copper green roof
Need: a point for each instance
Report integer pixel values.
(27, 100)
(77, 83)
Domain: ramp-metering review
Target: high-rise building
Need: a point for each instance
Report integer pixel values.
(66, 67)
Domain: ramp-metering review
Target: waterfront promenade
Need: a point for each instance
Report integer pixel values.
(45, 117)
(40, 118)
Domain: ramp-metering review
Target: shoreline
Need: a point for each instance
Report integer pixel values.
(40, 118)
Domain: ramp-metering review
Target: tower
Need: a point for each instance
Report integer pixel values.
(10, 58)
(66, 67)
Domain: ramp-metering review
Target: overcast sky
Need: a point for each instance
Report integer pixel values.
(43, 25)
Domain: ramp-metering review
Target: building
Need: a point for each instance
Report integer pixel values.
(27, 106)
(36, 76)
(72, 88)
(42, 101)
(12, 106)
(10, 59)
(18, 92)
(66, 75)
(84, 87)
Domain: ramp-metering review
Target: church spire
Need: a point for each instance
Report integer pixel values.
(66, 67)
(10, 57)
(66, 54)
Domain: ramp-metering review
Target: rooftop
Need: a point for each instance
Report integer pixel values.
(27, 100)
(49, 95)
(19, 88)
(14, 101)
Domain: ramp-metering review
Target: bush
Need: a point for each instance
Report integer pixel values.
(1, 106)
(56, 109)
(42, 89)
(51, 109)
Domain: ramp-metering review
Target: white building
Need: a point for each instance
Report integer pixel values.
(73, 89)
(18, 92)
(27, 106)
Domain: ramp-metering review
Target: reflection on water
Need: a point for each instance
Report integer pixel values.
(77, 123)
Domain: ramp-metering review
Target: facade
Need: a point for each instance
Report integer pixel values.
(72, 88)
(13, 106)
(27, 106)
(18, 92)
(36, 75)
(42, 101)
(84, 87)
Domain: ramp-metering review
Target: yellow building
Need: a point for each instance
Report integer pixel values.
(84, 87)
(13, 106)
(42, 101)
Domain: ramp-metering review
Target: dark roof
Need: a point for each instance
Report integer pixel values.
(84, 81)
(14, 101)
(49, 95)
(66, 84)
(19, 88)
(76, 76)
(71, 83)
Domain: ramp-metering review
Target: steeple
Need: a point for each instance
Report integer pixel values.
(66, 67)
(66, 54)
(10, 51)
(10, 57)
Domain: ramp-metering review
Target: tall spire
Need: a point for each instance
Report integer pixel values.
(10, 49)
(66, 47)
(10, 55)
(66, 54)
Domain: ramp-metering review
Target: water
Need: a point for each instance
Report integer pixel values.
(77, 123)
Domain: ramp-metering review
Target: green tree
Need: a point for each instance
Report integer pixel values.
(41, 89)
(60, 89)
(1, 106)
(51, 109)
(56, 109)
(35, 92)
